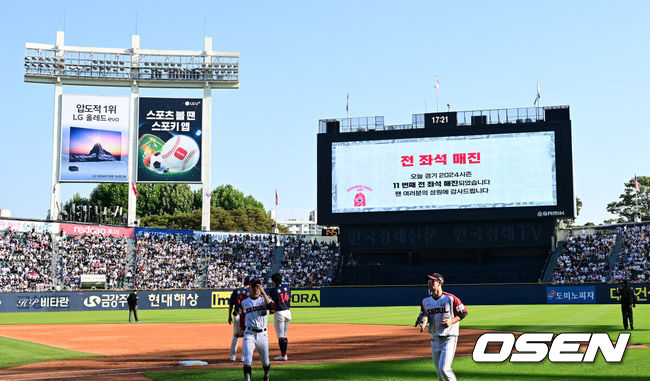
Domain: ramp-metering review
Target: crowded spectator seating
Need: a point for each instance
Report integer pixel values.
(308, 263)
(231, 259)
(161, 260)
(25, 261)
(584, 259)
(632, 263)
(166, 260)
(85, 254)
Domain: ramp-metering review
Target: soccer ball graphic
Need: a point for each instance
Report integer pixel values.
(157, 163)
(181, 153)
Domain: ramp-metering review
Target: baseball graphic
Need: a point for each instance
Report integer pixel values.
(181, 153)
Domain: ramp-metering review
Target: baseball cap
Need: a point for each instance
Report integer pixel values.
(436, 276)
(255, 280)
(247, 279)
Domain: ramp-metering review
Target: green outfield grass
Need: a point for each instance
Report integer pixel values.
(464, 367)
(518, 318)
(18, 352)
(523, 318)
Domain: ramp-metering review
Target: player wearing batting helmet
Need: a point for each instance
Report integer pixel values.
(442, 311)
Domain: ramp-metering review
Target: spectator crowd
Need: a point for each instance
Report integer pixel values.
(166, 260)
(236, 256)
(308, 263)
(25, 261)
(632, 262)
(86, 254)
(584, 259)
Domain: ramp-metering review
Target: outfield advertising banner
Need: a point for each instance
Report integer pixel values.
(169, 140)
(140, 231)
(470, 294)
(28, 226)
(640, 290)
(107, 231)
(570, 294)
(305, 298)
(220, 299)
(222, 236)
(94, 138)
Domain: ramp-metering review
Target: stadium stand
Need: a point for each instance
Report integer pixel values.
(632, 262)
(584, 258)
(308, 263)
(166, 260)
(33, 261)
(237, 256)
(25, 261)
(84, 254)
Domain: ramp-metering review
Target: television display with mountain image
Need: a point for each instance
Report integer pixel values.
(93, 155)
(94, 139)
(89, 144)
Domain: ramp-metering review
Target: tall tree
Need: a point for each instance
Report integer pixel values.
(631, 203)
(159, 199)
(110, 195)
(229, 198)
(238, 220)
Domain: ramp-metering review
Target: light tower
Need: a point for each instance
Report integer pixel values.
(135, 68)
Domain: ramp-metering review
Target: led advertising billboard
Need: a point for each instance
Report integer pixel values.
(169, 140)
(94, 138)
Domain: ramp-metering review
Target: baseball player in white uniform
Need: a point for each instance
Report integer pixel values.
(255, 309)
(442, 311)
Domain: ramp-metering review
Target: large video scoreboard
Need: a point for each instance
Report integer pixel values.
(447, 173)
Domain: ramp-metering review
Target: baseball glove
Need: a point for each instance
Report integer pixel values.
(419, 319)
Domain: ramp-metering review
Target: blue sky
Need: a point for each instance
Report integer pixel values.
(299, 59)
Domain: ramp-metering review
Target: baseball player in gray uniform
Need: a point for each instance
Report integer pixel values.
(255, 309)
(442, 311)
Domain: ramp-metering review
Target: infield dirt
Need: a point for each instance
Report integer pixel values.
(127, 350)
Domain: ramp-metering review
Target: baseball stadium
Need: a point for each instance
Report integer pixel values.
(441, 248)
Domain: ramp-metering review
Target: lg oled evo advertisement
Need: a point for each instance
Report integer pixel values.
(94, 138)
(169, 140)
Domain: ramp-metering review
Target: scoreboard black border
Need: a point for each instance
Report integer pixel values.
(565, 207)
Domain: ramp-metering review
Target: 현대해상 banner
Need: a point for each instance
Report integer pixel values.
(94, 138)
(169, 140)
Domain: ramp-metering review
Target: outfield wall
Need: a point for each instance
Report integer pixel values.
(479, 294)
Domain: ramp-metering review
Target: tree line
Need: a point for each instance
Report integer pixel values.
(631, 206)
(173, 206)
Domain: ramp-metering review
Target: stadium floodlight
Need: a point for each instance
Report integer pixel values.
(132, 67)
(90, 66)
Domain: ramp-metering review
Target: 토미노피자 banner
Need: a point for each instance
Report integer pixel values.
(94, 138)
(169, 140)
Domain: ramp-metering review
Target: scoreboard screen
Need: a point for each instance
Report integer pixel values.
(461, 174)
